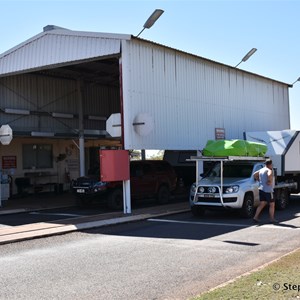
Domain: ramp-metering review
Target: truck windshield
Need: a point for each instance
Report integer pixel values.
(231, 170)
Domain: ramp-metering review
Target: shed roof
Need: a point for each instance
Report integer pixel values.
(56, 46)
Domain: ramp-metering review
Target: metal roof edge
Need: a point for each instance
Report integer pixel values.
(63, 31)
(89, 34)
(7, 52)
(51, 66)
(212, 61)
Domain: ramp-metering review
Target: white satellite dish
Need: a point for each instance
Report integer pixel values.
(143, 124)
(5, 134)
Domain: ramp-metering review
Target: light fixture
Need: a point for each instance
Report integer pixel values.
(97, 118)
(16, 111)
(152, 19)
(62, 115)
(296, 81)
(247, 56)
(42, 134)
(94, 132)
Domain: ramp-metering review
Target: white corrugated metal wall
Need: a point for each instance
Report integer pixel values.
(44, 94)
(188, 97)
(56, 47)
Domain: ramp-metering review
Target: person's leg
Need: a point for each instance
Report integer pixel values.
(259, 209)
(271, 201)
(261, 205)
(272, 210)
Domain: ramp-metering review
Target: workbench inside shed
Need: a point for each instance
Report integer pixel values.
(43, 181)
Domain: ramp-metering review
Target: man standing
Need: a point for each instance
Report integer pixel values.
(265, 177)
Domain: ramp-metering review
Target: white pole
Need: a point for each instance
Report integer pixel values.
(0, 192)
(126, 197)
(197, 172)
(221, 175)
(0, 188)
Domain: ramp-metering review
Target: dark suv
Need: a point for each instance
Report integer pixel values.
(148, 179)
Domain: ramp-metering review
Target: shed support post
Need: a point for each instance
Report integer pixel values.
(143, 154)
(81, 128)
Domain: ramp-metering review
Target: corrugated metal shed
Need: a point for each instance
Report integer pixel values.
(182, 97)
(55, 47)
(188, 97)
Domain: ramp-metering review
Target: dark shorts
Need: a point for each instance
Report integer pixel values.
(268, 197)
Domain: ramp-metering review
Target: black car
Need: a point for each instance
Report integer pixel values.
(148, 179)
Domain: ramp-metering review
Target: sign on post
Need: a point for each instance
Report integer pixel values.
(114, 166)
(113, 125)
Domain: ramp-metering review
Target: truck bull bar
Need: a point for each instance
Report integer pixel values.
(223, 159)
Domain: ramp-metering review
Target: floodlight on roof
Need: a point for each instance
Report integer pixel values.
(296, 81)
(247, 56)
(152, 19)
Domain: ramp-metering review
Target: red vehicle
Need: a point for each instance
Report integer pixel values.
(148, 179)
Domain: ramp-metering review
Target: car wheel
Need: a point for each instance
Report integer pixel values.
(115, 200)
(163, 195)
(282, 200)
(197, 211)
(248, 206)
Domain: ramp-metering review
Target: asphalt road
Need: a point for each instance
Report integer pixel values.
(173, 257)
(50, 215)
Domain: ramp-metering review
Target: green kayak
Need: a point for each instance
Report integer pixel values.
(234, 148)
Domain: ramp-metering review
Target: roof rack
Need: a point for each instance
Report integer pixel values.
(227, 158)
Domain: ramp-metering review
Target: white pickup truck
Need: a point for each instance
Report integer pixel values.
(229, 184)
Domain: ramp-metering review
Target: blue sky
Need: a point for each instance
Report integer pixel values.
(220, 30)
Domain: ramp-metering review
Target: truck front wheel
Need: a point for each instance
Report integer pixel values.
(282, 199)
(248, 206)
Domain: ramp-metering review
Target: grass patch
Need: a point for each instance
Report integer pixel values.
(279, 280)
